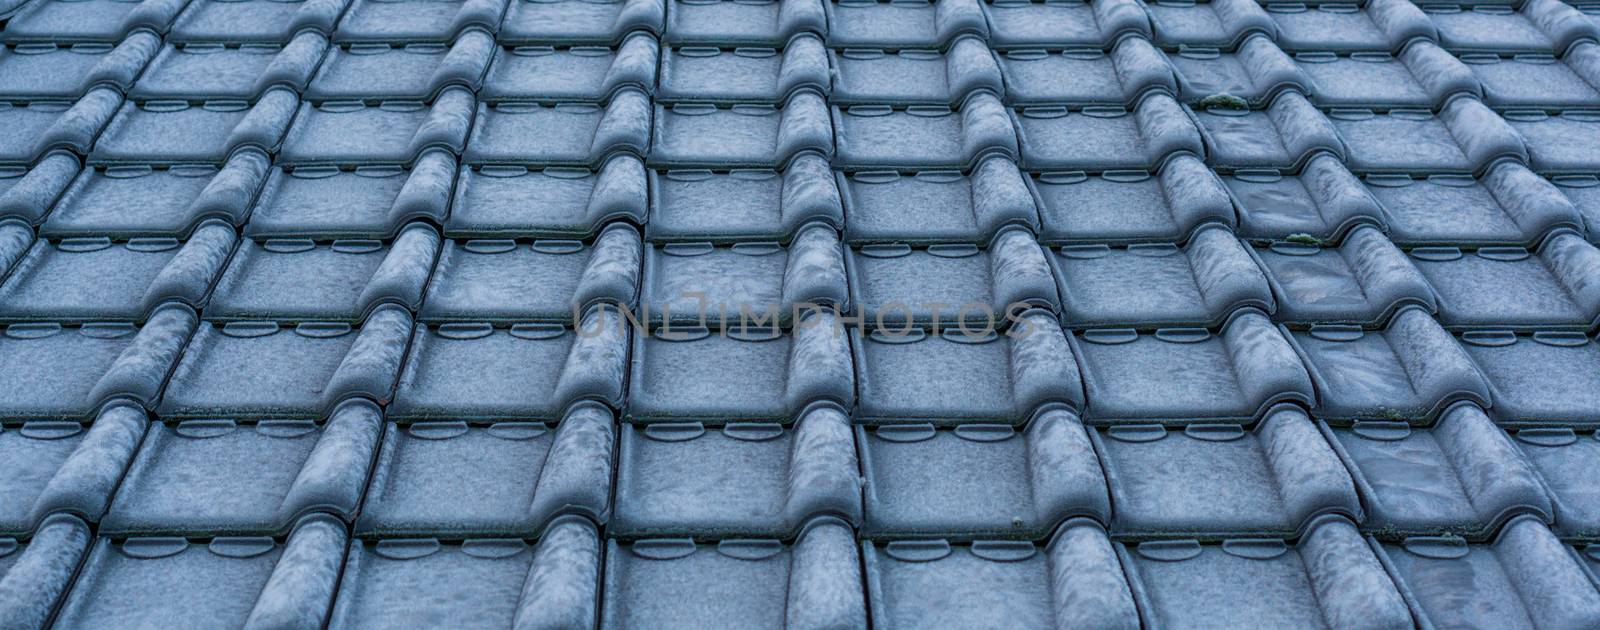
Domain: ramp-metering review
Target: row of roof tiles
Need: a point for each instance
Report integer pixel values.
(1461, 476)
(1331, 577)
(1362, 282)
(1465, 136)
(1323, 200)
(1531, 26)
(1423, 75)
(1410, 370)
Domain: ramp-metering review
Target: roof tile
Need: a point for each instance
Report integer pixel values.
(1075, 580)
(953, 376)
(576, 73)
(691, 22)
(255, 21)
(214, 71)
(980, 480)
(221, 477)
(743, 204)
(1189, 374)
(740, 479)
(503, 479)
(64, 467)
(1461, 475)
(524, 371)
(141, 200)
(491, 581)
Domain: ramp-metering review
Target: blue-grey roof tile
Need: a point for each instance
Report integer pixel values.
(1564, 460)
(1543, 378)
(937, 206)
(1375, 25)
(412, 71)
(363, 202)
(572, 73)
(543, 280)
(1126, 206)
(1190, 374)
(1074, 581)
(42, 567)
(1411, 370)
(740, 136)
(449, 478)
(673, 583)
(1104, 138)
(554, 202)
(711, 74)
(1284, 136)
(1256, 72)
(1329, 578)
(234, 581)
(1537, 26)
(756, 371)
(1464, 137)
(266, 369)
(16, 240)
(299, 279)
(743, 204)
(223, 477)
(874, 24)
(1509, 204)
(215, 71)
(1032, 24)
(699, 284)
(469, 371)
(1086, 76)
(404, 21)
(1582, 190)
(740, 479)
(27, 193)
(894, 285)
(141, 200)
(67, 71)
(980, 480)
(761, 23)
(79, 279)
(1217, 480)
(29, 130)
(579, 21)
(1462, 475)
(178, 132)
(562, 134)
(1536, 80)
(1524, 577)
(487, 581)
(1214, 23)
(90, 20)
(1422, 75)
(1324, 201)
(1159, 284)
(1560, 143)
(55, 371)
(923, 137)
(1511, 287)
(1364, 280)
(1399, 140)
(391, 132)
(252, 21)
(915, 76)
(64, 467)
(909, 375)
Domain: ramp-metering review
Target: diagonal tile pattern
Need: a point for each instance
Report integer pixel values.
(804, 313)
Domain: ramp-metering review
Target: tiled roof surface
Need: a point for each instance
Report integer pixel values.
(392, 313)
